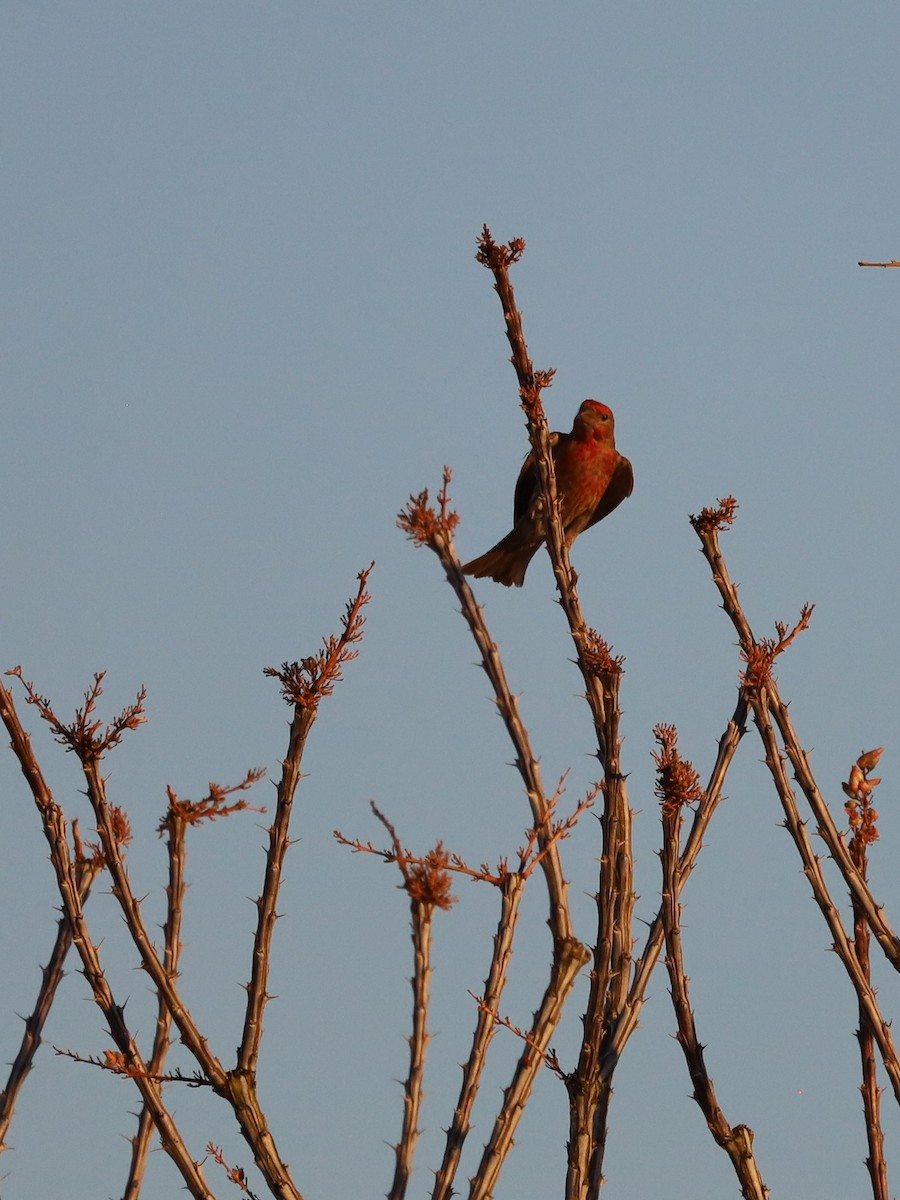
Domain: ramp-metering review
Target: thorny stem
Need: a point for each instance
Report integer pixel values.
(54, 825)
(279, 840)
(812, 869)
(305, 684)
(511, 888)
(737, 1140)
(237, 1087)
(765, 700)
(440, 539)
(421, 921)
(601, 678)
(131, 909)
(712, 797)
(828, 831)
(235, 1175)
(86, 871)
(585, 1155)
(175, 830)
(565, 970)
(531, 383)
(871, 1092)
(427, 884)
(826, 828)
(610, 976)
(425, 527)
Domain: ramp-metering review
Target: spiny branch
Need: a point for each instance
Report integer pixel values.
(87, 868)
(677, 787)
(765, 685)
(426, 526)
(863, 820)
(54, 825)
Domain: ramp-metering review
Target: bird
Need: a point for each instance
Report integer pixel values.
(592, 478)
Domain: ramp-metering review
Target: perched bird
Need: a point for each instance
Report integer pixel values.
(592, 478)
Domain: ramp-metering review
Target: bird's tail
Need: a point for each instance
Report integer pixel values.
(505, 563)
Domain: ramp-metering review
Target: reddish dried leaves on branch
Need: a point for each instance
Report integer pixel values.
(307, 682)
(677, 782)
(760, 658)
(425, 525)
(497, 258)
(426, 880)
(213, 805)
(83, 734)
(89, 854)
(862, 816)
(598, 655)
(420, 873)
(715, 519)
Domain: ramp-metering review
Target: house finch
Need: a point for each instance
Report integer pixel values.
(592, 479)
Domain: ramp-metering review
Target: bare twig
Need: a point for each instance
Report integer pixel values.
(83, 736)
(425, 876)
(892, 263)
(529, 855)
(235, 1175)
(131, 908)
(237, 1086)
(116, 1063)
(551, 1061)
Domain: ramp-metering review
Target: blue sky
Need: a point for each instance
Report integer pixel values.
(242, 321)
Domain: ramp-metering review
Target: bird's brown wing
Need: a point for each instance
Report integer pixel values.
(528, 485)
(619, 488)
